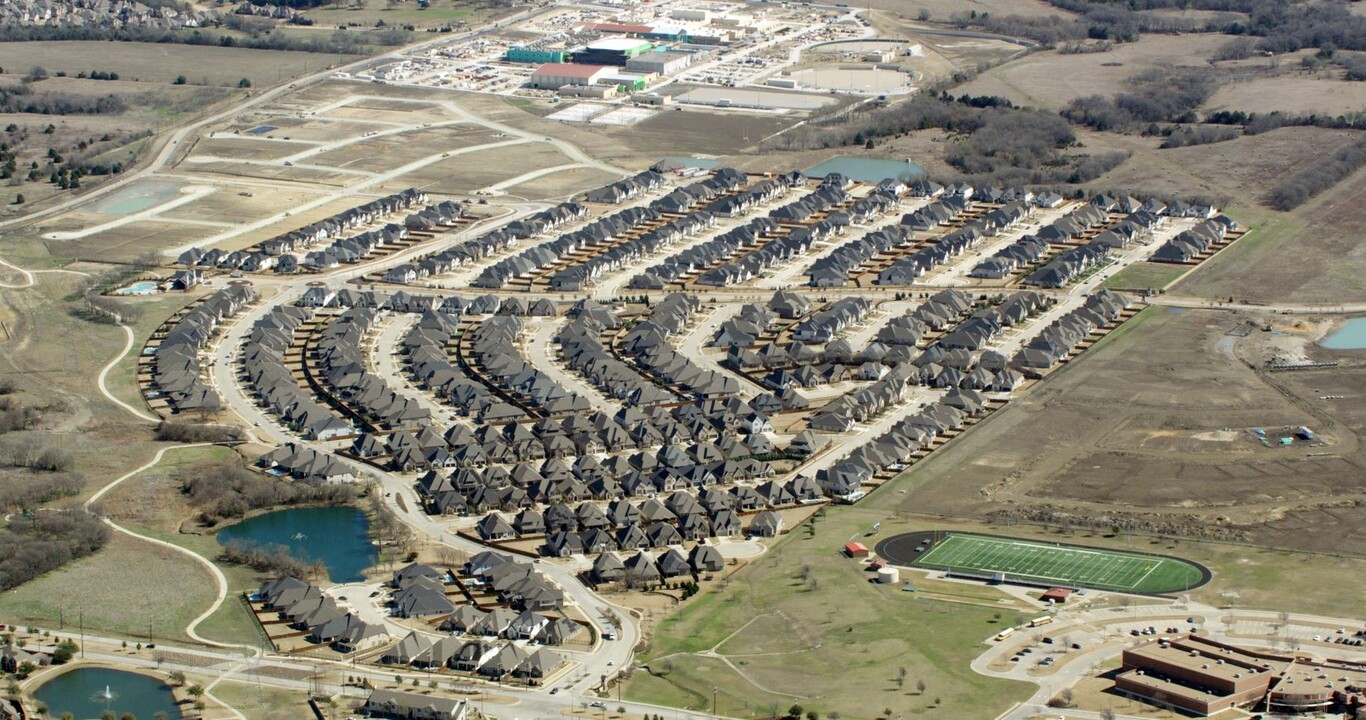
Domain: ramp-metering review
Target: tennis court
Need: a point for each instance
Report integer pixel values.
(1061, 564)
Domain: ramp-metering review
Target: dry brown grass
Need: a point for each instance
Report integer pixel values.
(1050, 80)
(162, 62)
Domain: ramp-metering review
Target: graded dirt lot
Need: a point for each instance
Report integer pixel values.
(128, 242)
(1050, 80)
(162, 62)
(1154, 427)
(465, 173)
(247, 147)
(390, 151)
(561, 184)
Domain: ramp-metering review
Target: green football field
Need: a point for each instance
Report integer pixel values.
(1060, 564)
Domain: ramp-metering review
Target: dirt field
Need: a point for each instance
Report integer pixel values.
(472, 171)
(391, 151)
(128, 242)
(561, 184)
(1311, 255)
(162, 62)
(1155, 425)
(247, 148)
(1051, 80)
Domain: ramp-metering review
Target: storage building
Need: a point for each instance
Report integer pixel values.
(551, 76)
(659, 63)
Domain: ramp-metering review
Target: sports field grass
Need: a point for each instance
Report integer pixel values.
(1065, 565)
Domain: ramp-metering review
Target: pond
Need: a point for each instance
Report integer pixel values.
(1351, 335)
(339, 537)
(139, 197)
(87, 692)
(866, 169)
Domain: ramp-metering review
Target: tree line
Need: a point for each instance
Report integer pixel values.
(227, 491)
(45, 541)
(341, 41)
(1295, 190)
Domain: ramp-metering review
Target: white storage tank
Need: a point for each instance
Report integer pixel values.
(888, 575)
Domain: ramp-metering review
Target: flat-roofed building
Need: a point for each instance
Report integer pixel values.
(659, 63)
(1205, 677)
(612, 51)
(551, 76)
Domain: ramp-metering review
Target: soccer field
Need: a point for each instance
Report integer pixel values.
(1061, 564)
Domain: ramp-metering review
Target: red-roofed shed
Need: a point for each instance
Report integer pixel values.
(856, 550)
(1057, 595)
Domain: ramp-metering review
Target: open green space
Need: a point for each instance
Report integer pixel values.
(1145, 275)
(1063, 564)
(758, 637)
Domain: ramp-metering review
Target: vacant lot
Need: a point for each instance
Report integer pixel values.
(1139, 276)
(779, 618)
(1050, 80)
(121, 589)
(441, 13)
(247, 147)
(162, 62)
(562, 184)
(1241, 170)
(466, 173)
(128, 242)
(1311, 255)
(387, 152)
(1152, 428)
(1291, 92)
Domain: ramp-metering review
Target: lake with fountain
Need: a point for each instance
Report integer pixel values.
(87, 692)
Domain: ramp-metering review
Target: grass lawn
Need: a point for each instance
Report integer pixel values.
(149, 505)
(263, 702)
(769, 628)
(124, 589)
(1098, 569)
(1143, 275)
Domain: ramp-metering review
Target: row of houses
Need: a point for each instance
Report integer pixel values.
(358, 247)
(305, 237)
(493, 348)
(275, 388)
(305, 464)
(712, 511)
(953, 244)
(833, 270)
(340, 365)
(823, 325)
(175, 362)
(1056, 341)
(643, 570)
(722, 260)
(704, 194)
(1021, 253)
(897, 447)
(495, 241)
(1066, 266)
(1190, 244)
(484, 658)
(307, 608)
(584, 273)
(537, 257)
(623, 190)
